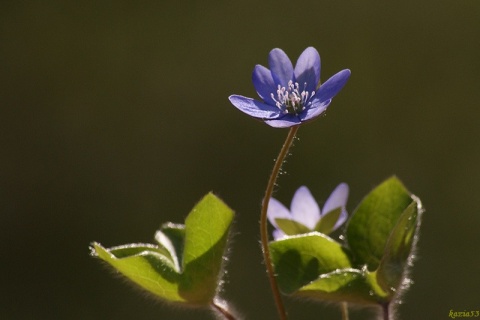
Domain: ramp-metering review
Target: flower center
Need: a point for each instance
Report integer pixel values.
(291, 99)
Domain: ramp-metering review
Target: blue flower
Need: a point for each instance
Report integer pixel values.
(290, 95)
(305, 215)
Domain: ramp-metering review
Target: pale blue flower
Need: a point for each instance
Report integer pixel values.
(305, 215)
(290, 95)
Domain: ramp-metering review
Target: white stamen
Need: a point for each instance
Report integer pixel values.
(290, 99)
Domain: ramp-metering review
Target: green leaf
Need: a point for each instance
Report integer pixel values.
(291, 227)
(206, 233)
(147, 266)
(186, 264)
(380, 237)
(399, 246)
(301, 259)
(374, 220)
(349, 285)
(328, 221)
(171, 237)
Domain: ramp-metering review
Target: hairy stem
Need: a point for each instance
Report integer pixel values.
(223, 310)
(386, 311)
(263, 221)
(344, 311)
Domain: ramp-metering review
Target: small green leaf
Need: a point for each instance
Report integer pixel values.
(301, 259)
(349, 285)
(171, 237)
(399, 246)
(328, 221)
(206, 233)
(374, 220)
(147, 266)
(291, 227)
(186, 264)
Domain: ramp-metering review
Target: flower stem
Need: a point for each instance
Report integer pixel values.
(263, 221)
(222, 310)
(386, 311)
(344, 311)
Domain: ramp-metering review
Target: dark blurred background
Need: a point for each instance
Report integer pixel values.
(114, 118)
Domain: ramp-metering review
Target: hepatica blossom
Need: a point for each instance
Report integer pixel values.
(290, 95)
(305, 215)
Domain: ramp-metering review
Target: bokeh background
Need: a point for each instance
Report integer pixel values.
(114, 118)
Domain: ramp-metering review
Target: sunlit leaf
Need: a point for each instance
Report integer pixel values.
(374, 220)
(301, 259)
(349, 285)
(186, 264)
(145, 265)
(399, 246)
(206, 234)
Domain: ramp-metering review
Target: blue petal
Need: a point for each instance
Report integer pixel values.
(276, 210)
(332, 86)
(307, 69)
(281, 67)
(318, 107)
(304, 208)
(264, 84)
(278, 234)
(284, 122)
(254, 108)
(341, 219)
(338, 199)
